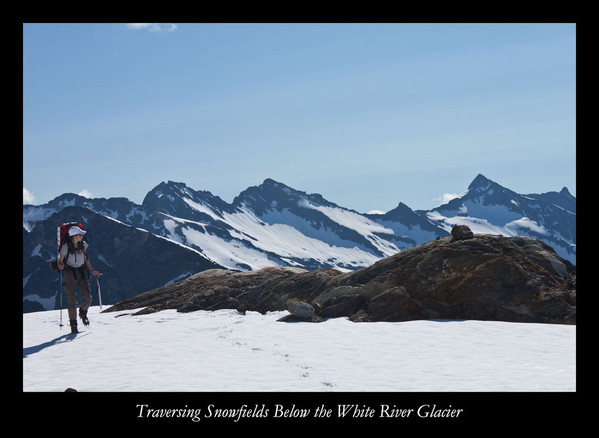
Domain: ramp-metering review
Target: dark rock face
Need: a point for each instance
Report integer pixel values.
(461, 232)
(343, 305)
(214, 289)
(484, 277)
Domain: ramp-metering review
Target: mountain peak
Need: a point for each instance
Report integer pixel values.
(479, 182)
(401, 212)
(174, 198)
(564, 191)
(268, 193)
(169, 186)
(272, 182)
(164, 188)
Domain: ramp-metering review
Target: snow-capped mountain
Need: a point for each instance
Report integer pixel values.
(120, 209)
(487, 207)
(271, 224)
(275, 225)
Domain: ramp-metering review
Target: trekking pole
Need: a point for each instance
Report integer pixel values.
(59, 270)
(99, 291)
(60, 324)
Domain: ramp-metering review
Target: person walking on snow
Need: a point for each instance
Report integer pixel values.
(73, 260)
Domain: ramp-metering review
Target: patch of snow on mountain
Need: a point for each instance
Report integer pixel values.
(103, 260)
(134, 212)
(33, 214)
(231, 254)
(37, 251)
(364, 226)
(307, 228)
(515, 227)
(411, 233)
(288, 241)
(202, 209)
(478, 226)
(46, 303)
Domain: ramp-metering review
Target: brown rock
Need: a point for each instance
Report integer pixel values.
(485, 277)
(461, 232)
(394, 304)
(344, 305)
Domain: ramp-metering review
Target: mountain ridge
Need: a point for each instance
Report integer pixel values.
(272, 224)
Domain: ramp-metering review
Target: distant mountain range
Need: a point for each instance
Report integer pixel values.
(177, 232)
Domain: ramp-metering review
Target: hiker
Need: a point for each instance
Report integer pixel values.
(73, 260)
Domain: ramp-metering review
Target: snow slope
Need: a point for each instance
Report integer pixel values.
(225, 351)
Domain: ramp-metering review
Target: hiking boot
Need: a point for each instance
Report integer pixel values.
(83, 316)
(74, 326)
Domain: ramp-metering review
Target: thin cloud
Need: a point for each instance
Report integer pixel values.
(152, 27)
(28, 197)
(85, 193)
(446, 197)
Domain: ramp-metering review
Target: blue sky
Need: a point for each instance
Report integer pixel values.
(367, 115)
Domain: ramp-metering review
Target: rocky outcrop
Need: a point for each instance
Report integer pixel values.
(214, 289)
(466, 276)
(461, 232)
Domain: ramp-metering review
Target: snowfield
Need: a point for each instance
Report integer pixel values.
(225, 351)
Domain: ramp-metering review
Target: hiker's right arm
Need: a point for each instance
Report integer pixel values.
(61, 261)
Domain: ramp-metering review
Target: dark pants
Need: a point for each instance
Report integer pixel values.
(77, 279)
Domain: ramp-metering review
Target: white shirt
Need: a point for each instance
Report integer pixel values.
(74, 260)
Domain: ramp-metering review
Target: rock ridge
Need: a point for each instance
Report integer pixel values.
(465, 276)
